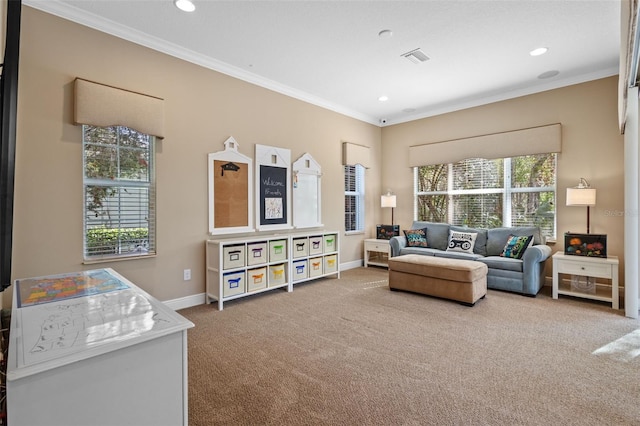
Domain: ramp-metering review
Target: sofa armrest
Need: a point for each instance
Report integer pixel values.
(397, 243)
(536, 254)
(533, 268)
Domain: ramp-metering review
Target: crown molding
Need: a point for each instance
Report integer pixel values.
(79, 16)
(512, 94)
(66, 11)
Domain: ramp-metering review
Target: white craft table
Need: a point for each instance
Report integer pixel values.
(91, 348)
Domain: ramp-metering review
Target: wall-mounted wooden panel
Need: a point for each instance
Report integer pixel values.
(230, 174)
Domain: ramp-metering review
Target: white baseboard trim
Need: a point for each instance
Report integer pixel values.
(351, 265)
(186, 302)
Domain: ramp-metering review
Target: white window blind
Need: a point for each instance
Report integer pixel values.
(353, 198)
(119, 192)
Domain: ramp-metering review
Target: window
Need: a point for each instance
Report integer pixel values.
(518, 191)
(354, 198)
(119, 192)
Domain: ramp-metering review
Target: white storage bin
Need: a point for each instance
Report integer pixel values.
(277, 275)
(277, 250)
(330, 263)
(300, 270)
(315, 244)
(256, 279)
(329, 243)
(300, 247)
(256, 253)
(233, 256)
(315, 266)
(233, 283)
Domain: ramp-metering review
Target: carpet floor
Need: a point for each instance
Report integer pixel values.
(349, 351)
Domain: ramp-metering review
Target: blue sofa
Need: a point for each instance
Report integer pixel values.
(524, 276)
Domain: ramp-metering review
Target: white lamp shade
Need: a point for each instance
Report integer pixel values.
(387, 200)
(581, 197)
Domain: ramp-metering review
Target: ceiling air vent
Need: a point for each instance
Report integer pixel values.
(416, 56)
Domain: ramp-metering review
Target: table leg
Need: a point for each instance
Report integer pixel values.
(615, 298)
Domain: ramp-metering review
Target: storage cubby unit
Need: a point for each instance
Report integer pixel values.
(239, 267)
(317, 258)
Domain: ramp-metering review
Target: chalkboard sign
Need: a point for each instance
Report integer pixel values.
(273, 188)
(273, 195)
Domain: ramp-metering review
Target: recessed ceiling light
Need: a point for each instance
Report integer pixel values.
(539, 51)
(549, 74)
(383, 98)
(185, 5)
(385, 33)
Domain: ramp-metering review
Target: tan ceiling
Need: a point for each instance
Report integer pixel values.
(329, 53)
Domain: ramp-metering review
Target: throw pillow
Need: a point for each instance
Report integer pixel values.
(462, 241)
(516, 246)
(416, 237)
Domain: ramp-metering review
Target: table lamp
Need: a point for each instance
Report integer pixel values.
(582, 195)
(388, 200)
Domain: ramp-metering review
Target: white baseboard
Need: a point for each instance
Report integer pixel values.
(351, 265)
(186, 302)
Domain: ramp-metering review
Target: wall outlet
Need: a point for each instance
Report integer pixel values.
(187, 274)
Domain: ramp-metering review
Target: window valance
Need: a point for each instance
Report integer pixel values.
(535, 140)
(353, 154)
(101, 105)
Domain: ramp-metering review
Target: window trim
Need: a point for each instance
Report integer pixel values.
(359, 194)
(148, 185)
(506, 190)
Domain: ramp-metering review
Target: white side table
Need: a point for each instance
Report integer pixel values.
(382, 251)
(598, 267)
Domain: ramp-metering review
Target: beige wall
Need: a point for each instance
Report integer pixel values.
(202, 109)
(592, 147)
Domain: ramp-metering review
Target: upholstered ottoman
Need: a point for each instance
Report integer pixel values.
(464, 281)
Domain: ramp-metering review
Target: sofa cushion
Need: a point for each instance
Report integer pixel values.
(516, 246)
(503, 263)
(481, 240)
(437, 233)
(497, 237)
(461, 241)
(416, 237)
(418, 250)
